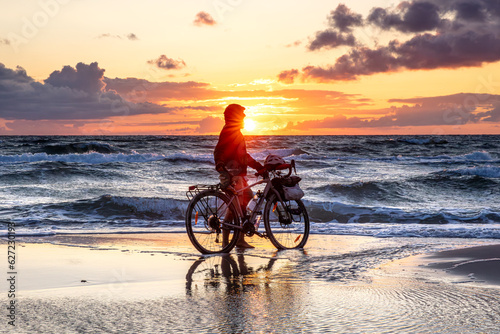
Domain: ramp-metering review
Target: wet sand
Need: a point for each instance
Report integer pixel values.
(158, 283)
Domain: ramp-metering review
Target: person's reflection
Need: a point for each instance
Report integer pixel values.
(218, 271)
(243, 296)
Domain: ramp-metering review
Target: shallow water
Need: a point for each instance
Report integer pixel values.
(337, 285)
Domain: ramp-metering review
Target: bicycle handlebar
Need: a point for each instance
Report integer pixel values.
(265, 171)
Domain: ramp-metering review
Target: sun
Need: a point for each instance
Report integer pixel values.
(250, 125)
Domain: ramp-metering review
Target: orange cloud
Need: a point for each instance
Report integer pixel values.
(204, 19)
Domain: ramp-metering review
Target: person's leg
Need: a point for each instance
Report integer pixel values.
(244, 198)
(228, 218)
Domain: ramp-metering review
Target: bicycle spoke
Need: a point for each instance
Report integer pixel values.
(285, 229)
(208, 237)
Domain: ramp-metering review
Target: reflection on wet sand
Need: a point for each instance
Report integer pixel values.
(248, 292)
(227, 271)
(290, 292)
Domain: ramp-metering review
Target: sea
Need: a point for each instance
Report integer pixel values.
(381, 186)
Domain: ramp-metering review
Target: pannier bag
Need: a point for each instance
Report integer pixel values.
(293, 193)
(288, 187)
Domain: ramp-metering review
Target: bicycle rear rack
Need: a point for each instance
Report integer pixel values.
(198, 188)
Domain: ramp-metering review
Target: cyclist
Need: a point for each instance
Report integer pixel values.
(231, 153)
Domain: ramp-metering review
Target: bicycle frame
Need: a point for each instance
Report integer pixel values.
(235, 197)
(286, 222)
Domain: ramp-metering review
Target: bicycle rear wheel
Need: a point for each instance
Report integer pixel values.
(287, 223)
(204, 217)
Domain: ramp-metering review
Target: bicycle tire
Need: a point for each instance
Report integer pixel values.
(287, 227)
(204, 215)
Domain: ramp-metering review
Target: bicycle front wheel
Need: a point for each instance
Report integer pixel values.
(287, 223)
(205, 216)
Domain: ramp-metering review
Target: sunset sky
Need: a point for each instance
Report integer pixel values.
(88, 67)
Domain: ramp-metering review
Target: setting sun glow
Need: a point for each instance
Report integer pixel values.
(344, 68)
(250, 125)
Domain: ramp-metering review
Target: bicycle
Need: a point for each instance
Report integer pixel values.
(286, 221)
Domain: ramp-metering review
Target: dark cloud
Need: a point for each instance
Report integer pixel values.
(87, 78)
(68, 94)
(360, 61)
(4, 41)
(340, 21)
(471, 11)
(416, 16)
(12, 80)
(344, 19)
(443, 34)
(492, 115)
(204, 19)
(330, 39)
(166, 63)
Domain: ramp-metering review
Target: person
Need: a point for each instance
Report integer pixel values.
(231, 153)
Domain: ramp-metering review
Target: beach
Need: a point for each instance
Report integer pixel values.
(158, 283)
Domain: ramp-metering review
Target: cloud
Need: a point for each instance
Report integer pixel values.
(416, 16)
(340, 21)
(4, 41)
(312, 101)
(204, 19)
(344, 19)
(87, 78)
(457, 109)
(492, 115)
(288, 77)
(210, 124)
(130, 36)
(331, 39)
(166, 63)
(140, 90)
(441, 34)
(296, 43)
(68, 94)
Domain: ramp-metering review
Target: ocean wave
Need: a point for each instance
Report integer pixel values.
(165, 207)
(410, 230)
(120, 214)
(483, 171)
(375, 190)
(357, 214)
(81, 148)
(473, 157)
(100, 158)
(99, 212)
(422, 141)
(283, 152)
(56, 171)
(109, 213)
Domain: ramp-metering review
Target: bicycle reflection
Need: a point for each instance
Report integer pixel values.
(250, 293)
(226, 271)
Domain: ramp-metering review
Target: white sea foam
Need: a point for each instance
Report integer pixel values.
(484, 171)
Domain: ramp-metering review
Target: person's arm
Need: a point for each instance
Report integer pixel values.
(219, 157)
(254, 163)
